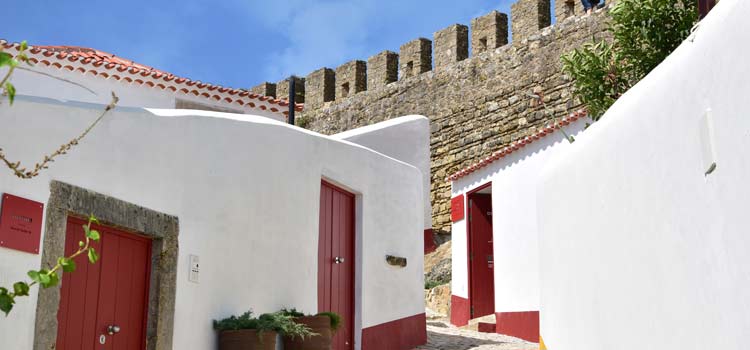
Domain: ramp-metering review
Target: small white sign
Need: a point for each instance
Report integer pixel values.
(195, 269)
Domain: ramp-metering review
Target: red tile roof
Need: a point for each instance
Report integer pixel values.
(107, 65)
(514, 146)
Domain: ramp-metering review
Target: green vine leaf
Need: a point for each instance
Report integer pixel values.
(21, 288)
(6, 59)
(34, 275)
(93, 235)
(68, 265)
(44, 278)
(6, 301)
(93, 257)
(54, 279)
(11, 91)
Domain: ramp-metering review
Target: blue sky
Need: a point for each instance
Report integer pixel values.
(238, 43)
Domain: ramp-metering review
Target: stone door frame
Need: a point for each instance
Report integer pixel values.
(68, 200)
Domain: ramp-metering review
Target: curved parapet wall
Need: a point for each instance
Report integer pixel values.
(406, 139)
(246, 192)
(643, 221)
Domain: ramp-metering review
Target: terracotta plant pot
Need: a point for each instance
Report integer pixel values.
(247, 339)
(318, 324)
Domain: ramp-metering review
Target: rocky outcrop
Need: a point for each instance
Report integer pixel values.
(438, 301)
(437, 269)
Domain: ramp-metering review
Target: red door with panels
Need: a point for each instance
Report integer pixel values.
(336, 260)
(103, 306)
(481, 260)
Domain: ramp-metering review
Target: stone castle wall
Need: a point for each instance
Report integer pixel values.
(476, 103)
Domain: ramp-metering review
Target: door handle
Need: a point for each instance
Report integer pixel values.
(338, 260)
(113, 329)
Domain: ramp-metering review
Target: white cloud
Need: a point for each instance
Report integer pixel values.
(327, 33)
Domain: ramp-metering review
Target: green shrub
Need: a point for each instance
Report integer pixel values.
(279, 322)
(291, 312)
(302, 122)
(283, 324)
(244, 321)
(335, 319)
(429, 284)
(644, 33)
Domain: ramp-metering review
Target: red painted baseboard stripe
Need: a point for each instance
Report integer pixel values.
(485, 327)
(402, 334)
(524, 324)
(460, 311)
(429, 241)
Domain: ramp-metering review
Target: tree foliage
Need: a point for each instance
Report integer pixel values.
(644, 33)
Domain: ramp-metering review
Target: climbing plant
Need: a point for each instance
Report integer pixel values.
(45, 278)
(50, 278)
(644, 33)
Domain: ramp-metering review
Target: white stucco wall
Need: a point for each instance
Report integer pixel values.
(514, 223)
(406, 139)
(640, 249)
(130, 94)
(246, 191)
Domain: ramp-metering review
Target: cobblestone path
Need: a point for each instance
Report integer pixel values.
(443, 336)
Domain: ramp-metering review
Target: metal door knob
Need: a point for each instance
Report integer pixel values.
(338, 260)
(112, 329)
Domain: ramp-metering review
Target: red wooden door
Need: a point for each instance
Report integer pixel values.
(481, 260)
(704, 6)
(112, 292)
(336, 260)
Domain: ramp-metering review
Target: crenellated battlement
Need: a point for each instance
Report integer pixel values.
(449, 46)
(479, 98)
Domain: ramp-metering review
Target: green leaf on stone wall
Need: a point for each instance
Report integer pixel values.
(68, 265)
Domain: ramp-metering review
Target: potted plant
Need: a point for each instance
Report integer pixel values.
(324, 324)
(245, 332)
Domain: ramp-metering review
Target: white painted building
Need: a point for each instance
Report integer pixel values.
(88, 75)
(227, 212)
(643, 243)
(402, 139)
(495, 249)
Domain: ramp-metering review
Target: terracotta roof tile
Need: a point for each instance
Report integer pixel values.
(516, 145)
(96, 58)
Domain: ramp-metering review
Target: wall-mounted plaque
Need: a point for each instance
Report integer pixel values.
(20, 223)
(457, 208)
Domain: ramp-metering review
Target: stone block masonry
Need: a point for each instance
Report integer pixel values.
(416, 58)
(265, 89)
(382, 69)
(451, 45)
(282, 89)
(476, 105)
(567, 8)
(351, 78)
(320, 87)
(488, 32)
(529, 16)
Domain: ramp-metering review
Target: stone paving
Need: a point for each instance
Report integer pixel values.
(443, 336)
